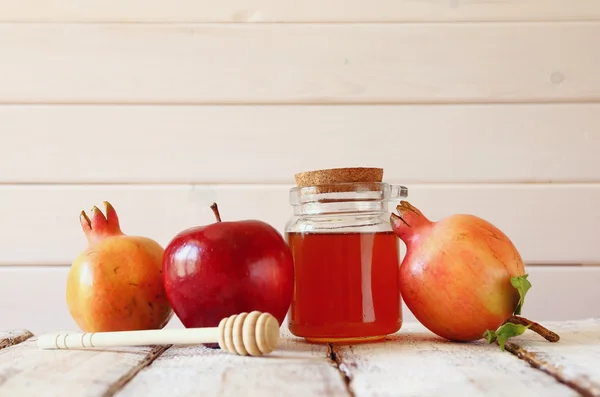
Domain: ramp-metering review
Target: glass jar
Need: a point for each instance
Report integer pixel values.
(346, 263)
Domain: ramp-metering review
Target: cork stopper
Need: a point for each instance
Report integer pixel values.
(339, 175)
(333, 179)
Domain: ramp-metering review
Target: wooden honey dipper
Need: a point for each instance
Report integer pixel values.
(253, 334)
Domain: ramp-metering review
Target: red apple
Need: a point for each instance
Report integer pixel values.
(225, 268)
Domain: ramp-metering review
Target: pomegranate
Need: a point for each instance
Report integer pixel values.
(461, 277)
(116, 284)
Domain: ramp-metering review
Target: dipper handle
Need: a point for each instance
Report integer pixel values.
(253, 334)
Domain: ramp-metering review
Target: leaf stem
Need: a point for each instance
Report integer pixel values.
(550, 336)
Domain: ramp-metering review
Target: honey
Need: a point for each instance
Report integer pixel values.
(346, 286)
(346, 257)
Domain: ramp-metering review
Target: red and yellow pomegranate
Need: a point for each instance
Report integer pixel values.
(116, 283)
(456, 275)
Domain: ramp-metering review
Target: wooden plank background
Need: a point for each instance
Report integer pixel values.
(478, 368)
(296, 63)
(374, 369)
(261, 11)
(207, 144)
(483, 107)
(297, 368)
(575, 366)
(294, 369)
(87, 374)
(48, 216)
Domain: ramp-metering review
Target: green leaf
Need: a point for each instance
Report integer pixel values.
(522, 285)
(504, 332)
(490, 336)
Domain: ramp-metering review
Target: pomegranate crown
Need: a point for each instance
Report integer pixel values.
(408, 220)
(97, 226)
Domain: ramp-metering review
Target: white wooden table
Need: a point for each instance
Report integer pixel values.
(413, 362)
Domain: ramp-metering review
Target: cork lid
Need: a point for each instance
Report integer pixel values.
(346, 185)
(339, 175)
(340, 179)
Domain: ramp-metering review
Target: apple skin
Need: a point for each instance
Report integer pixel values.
(225, 268)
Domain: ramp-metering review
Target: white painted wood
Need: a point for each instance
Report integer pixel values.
(13, 337)
(417, 363)
(268, 144)
(299, 63)
(549, 224)
(574, 359)
(258, 11)
(531, 366)
(562, 293)
(27, 371)
(294, 369)
(34, 297)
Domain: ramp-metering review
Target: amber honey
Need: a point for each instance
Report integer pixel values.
(346, 286)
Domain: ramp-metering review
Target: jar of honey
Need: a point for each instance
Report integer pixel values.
(346, 260)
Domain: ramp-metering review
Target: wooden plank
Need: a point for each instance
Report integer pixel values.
(41, 306)
(26, 370)
(417, 363)
(21, 306)
(258, 11)
(294, 369)
(526, 213)
(573, 361)
(13, 337)
(299, 63)
(267, 144)
(543, 303)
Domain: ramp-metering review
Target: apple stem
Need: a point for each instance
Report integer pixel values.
(215, 210)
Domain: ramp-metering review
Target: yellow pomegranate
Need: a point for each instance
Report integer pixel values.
(116, 283)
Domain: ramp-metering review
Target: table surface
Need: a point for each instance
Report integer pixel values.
(413, 362)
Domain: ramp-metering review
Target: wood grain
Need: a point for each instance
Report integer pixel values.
(572, 361)
(21, 305)
(550, 224)
(294, 369)
(417, 363)
(299, 63)
(268, 144)
(13, 337)
(26, 370)
(258, 11)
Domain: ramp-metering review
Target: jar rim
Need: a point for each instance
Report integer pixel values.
(347, 191)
